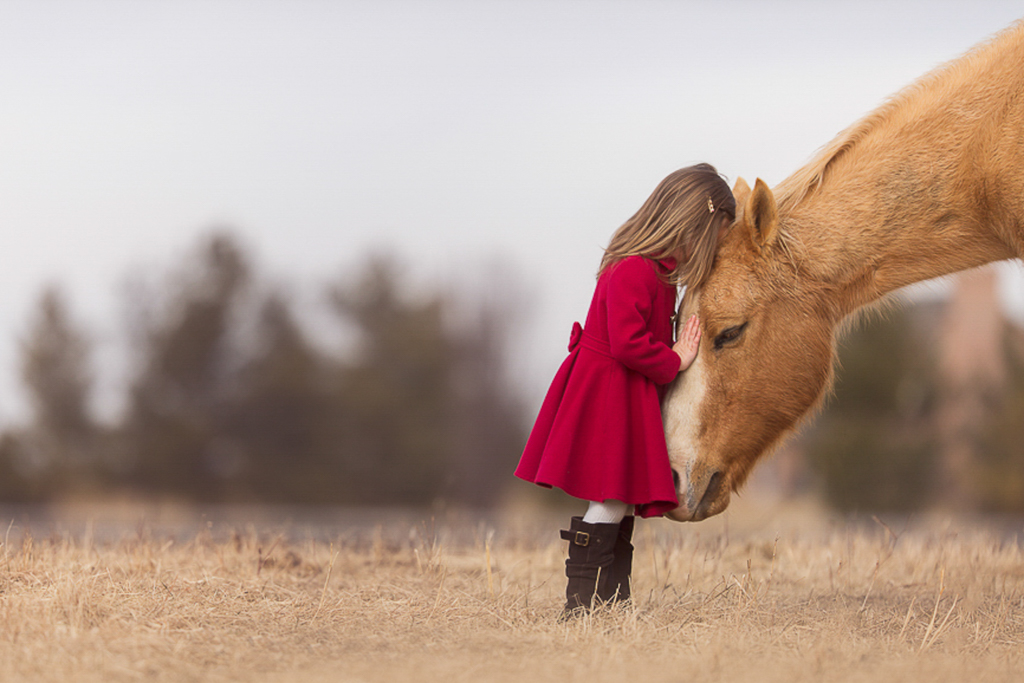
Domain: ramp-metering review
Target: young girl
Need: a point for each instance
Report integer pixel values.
(599, 434)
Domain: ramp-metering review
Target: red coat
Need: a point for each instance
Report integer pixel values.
(599, 434)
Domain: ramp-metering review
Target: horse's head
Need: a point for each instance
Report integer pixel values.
(765, 359)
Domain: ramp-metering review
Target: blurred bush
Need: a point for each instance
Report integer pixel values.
(999, 466)
(232, 401)
(873, 447)
(883, 440)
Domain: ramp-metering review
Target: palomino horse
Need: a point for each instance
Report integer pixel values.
(930, 183)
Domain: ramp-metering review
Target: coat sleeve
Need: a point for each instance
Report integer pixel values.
(632, 288)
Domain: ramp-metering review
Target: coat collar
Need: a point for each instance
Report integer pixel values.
(668, 263)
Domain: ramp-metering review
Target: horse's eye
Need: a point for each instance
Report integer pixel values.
(729, 334)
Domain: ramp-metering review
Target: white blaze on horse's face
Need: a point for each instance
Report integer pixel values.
(681, 414)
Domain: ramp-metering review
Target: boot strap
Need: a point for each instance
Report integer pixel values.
(580, 538)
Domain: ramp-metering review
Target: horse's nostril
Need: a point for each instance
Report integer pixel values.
(711, 492)
(675, 478)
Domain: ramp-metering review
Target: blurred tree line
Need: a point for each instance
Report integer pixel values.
(231, 400)
(884, 440)
(874, 447)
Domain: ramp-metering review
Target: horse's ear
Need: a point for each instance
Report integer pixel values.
(740, 191)
(760, 216)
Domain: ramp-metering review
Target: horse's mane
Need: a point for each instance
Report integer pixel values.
(801, 184)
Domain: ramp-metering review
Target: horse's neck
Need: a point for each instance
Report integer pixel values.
(927, 185)
(874, 228)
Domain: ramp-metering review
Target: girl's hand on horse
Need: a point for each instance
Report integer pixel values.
(688, 343)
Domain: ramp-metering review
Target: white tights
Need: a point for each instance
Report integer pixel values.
(608, 512)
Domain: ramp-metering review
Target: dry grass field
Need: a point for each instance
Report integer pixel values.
(766, 595)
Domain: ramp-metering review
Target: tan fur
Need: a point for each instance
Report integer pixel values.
(760, 218)
(930, 183)
(740, 190)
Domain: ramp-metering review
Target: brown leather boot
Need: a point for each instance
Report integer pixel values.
(588, 569)
(622, 565)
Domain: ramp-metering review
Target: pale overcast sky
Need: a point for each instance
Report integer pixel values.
(452, 133)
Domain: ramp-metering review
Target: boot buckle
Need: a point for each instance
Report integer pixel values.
(582, 538)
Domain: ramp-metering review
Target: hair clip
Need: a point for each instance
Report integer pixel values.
(711, 206)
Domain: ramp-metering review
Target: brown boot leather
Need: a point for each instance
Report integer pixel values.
(622, 565)
(588, 569)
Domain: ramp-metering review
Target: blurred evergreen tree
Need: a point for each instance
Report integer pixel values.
(999, 469)
(491, 429)
(396, 397)
(426, 403)
(177, 403)
(19, 481)
(874, 446)
(55, 368)
(286, 420)
(59, 450)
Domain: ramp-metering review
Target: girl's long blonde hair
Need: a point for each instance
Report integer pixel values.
(682, 215)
